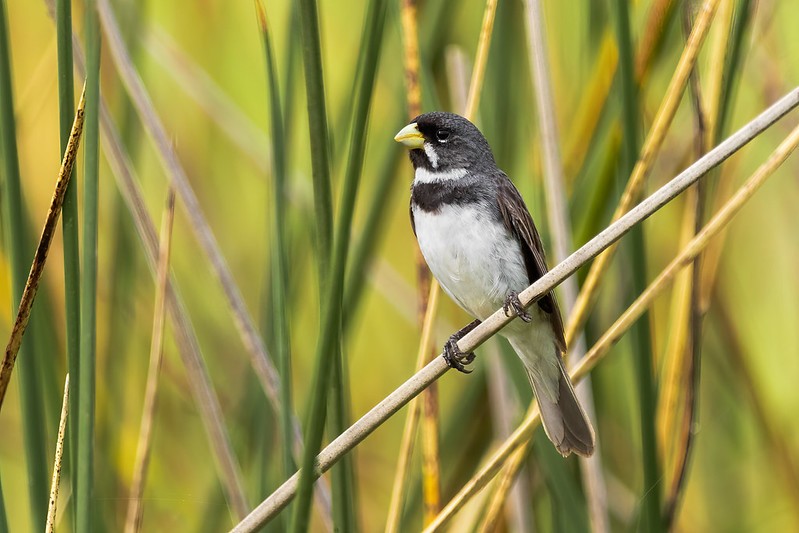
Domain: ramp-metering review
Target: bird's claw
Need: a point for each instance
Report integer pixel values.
(453, 355)
(513, 302)
(455, 358)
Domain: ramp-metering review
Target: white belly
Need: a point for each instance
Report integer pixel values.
(474, 258)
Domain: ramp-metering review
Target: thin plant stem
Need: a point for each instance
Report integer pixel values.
(366, 72)
(489, 327)
(410, 56)
(133, 520)
(69, 220)
(278, 249)
(31, 285)
(84, 512)
(672, 383)
(426, 293)
(368, 61)
(59, 453)
(323, 206)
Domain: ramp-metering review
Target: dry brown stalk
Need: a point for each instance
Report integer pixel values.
(42, 249)
(134, 515)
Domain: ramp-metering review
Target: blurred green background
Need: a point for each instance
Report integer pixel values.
(202, 63)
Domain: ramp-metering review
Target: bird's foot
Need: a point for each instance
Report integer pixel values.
(513, 302)
(453, 355)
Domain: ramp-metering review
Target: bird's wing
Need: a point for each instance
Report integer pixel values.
(517, 219)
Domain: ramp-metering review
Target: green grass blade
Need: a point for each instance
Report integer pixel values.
(88, 294)
(69, 219)
(31, 399)
(290, 92)
(650, 503)
(328, 342)
(279, 275)
(317, 121)
(371, 40)
(318, 131)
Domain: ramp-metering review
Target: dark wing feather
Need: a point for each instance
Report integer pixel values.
(517, 219)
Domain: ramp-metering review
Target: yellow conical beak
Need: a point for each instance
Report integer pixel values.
(410, 136)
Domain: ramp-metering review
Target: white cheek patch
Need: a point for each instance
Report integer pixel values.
(431, 154)
(423, 175)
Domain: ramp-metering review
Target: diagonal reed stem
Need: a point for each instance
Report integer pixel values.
(438, 367)
(142, 461)
(40, 257)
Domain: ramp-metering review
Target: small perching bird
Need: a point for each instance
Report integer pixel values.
(481, 244)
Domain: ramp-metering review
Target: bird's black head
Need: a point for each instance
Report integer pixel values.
(440, 142)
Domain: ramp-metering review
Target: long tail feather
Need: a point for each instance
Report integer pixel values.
(564, 419)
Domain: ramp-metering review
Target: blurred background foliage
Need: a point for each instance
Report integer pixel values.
(202, 63)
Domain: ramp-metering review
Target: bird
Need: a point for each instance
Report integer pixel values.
(481, 244)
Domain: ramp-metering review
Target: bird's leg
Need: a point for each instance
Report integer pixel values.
(512, 301)
(453, 355)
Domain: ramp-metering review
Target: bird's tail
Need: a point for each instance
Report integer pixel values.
(564, 419)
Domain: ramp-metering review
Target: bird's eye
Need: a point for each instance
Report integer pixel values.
(442, 136)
